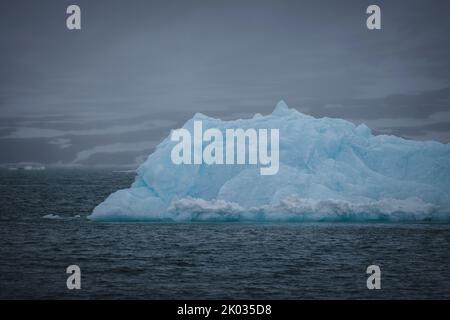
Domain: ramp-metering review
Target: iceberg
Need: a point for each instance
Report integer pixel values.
(51, 216)
(329, 170)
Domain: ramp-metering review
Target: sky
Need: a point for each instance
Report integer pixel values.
(107, 94)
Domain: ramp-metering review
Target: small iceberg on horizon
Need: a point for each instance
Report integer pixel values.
(329, 170)
(34, 168)
(52, 216)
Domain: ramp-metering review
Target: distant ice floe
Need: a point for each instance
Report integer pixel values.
(52, 216)
(58, 217)
(32, 168)
(330, 170)
(28, 168)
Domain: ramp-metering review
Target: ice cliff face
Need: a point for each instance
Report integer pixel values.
(329, 170)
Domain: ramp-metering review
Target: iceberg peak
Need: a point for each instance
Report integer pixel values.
(200, 116)
(281, 108)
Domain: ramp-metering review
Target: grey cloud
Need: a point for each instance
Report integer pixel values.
(419, 131)
(25, 132)
(139, 68)
(421, 105)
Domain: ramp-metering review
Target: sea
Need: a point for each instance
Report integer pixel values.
(44, 229)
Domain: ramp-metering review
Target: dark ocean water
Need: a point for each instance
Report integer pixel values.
(200, 260)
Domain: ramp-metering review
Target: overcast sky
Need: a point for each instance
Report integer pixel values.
(108, 93)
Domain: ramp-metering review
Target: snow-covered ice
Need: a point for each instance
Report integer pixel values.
(329, 170)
